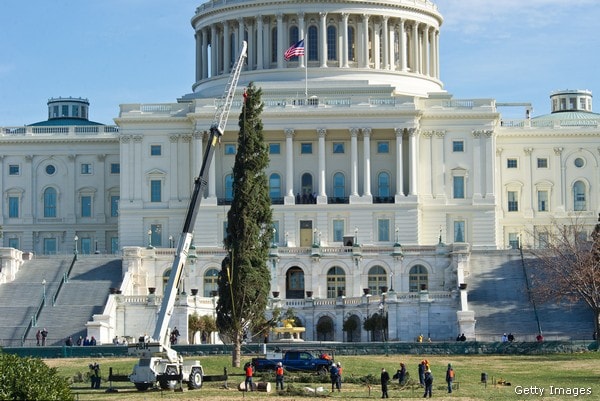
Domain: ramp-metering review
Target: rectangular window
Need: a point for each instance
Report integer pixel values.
(13, 207)
(383, 147)
(65, 111)
(458, 146)
(155, 191)
(75, 111)
(156, 235)
(511, 163)
(86, 168)
(114, 205)
(13, 169)
(55, 111)
(338, 230)
(155, 150)
(383, 230)
(115, 168)
(229, 149)
(513, 240)
(86, 206)
(458, 183)
(542, 201)
(306, 148)
(459, 231)
(513, 203)
(13, 243)
(543, 240)
(338, 147)
(274, 148)
(224, 230)
(542, 162)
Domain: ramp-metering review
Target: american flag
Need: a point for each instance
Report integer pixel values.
(296, 49)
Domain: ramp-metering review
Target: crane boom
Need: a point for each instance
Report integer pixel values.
(216, 131)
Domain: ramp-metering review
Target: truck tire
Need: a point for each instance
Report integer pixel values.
(322, 371)
(168, 384)
(142, 386)
(195, 381)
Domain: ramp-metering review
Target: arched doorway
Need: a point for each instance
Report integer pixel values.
(325, 329)
(352, 329)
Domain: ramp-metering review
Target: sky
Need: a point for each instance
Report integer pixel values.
(115, 52)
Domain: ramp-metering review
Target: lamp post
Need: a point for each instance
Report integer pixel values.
(170, 241)
(150, 239)
(355, 235)
(315, 236)
(396, 231)
(286, 238)
(274, 235)
(75, 252)
(44, 290)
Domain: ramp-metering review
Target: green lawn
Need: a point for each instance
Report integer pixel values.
(569, 373)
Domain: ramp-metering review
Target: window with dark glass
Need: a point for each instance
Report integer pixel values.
(155, 191)
(14, 169)
(86, 206)
(155, 150)
(114, 205)
(86, 168)
(338, 147)
(383, 147)
(542, 162)
(274, 148)
(331, 42)
(306, 148)
(313, 43)
(50, 202)
(458, 146)
(115, 168)
(511, 163)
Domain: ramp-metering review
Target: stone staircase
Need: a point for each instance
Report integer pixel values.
(21, 298)
(84, 295)
(498, 295)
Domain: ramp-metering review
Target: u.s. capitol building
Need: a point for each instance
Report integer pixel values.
(387, 192)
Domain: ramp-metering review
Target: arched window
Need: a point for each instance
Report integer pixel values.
(275, 186)
(313, 43)
(307, 184)
(339, 185)
(383, 184)
(232, 50)
(211, 278)
(351, 43)
(331, 43)
(579, 195)
(294, 283)
(336, 282)
(274, 45)
(377, 279)
(50, 202)
(417, 278)
(229, 187)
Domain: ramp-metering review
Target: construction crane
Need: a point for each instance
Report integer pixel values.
(158, 362)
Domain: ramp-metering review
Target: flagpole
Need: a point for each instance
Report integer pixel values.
(305, 75)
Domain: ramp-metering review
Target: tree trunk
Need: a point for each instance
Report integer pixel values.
(597, 327)
(236, 353)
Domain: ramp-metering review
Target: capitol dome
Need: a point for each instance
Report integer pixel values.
(393, 44)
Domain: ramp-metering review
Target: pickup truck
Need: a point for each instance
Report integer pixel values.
(295, 361)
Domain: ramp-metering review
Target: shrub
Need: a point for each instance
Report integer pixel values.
(31, 379)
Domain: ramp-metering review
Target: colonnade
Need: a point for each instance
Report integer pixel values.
(342, 40)
(321, 171)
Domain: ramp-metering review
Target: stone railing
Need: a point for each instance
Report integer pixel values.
(70, 130)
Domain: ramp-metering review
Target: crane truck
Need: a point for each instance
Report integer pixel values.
(158, 362)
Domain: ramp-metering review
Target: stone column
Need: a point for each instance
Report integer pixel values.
(280, 40)
(415, 50)
(376, 46)
(399, 161)
(301, 59)
(560, 179)
(413, 156)
(386, 44)
(344, 49)
(403, 46)
(323, 37)
(251, 46)
(367, 160)
(173, 171)
(437, 53)
(488, 178)
(289, 166)
(353, 162)
(260, 57)
(478, 164)
(196, 154)
(322, 196)
(199, 59)
(365, 44)
(204, 53)
(426, 51)
(226, 48)
(138, 156)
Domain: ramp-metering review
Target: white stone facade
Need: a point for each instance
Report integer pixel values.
(367, 150)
